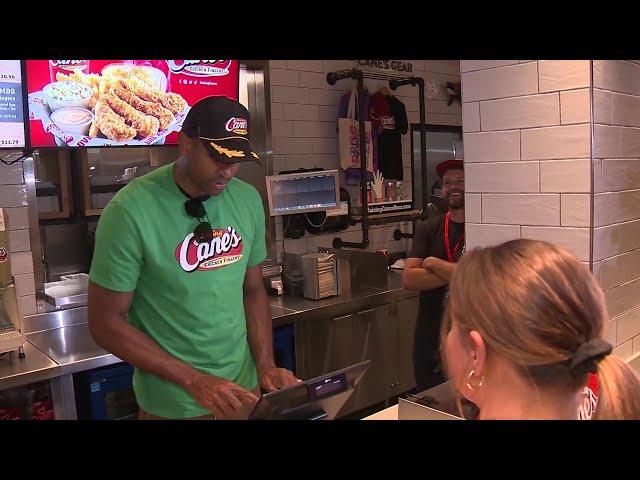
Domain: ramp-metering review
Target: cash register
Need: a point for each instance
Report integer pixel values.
(320, 398)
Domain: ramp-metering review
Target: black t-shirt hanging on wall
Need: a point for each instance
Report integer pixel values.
(390, 140)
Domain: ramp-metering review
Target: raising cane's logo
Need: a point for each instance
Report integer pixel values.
(200, 68)
(3, 255)
(224, 249)
(236, 125)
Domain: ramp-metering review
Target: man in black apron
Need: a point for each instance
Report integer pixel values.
(438, 244)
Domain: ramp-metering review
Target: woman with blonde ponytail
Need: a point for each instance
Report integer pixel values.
(523, 337)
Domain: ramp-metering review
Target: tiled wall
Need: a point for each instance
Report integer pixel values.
(303, 114)
(526, 127)
(617, 196)
(13, 199)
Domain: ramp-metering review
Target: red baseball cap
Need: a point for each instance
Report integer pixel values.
(450, 164)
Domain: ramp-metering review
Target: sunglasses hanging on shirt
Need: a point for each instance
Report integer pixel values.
(194, 207)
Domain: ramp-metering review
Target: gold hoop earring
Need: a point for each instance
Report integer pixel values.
(469, 376)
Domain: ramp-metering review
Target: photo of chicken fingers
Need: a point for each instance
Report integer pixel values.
(145, 125)
(111, 124)
(149, 108)
(171, 101)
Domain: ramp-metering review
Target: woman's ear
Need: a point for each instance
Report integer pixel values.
(479, 353)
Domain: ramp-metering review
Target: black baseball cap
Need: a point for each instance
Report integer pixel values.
(222, 124)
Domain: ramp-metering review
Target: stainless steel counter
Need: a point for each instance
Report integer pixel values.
(73, 348)
(36, 366)
(60, 342)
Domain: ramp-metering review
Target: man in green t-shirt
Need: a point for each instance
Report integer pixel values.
(176, 287)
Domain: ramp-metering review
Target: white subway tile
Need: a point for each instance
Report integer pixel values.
(492, 146)
(25, 284)
(576, 240)
(617, 76)
(601, 207)
(620, 174)
(565, 176)
(520, 112)
(278, 163)
(598, 182)
(471, 117)
(19, 240)
(472, 208)
(607, 141)
(11, 174)
(434, 106)
(511, 177)
(620, 269)
(21, 262)
(606, 241)
(602, 107)
(287, 78)
(318, 96)
(572, 141)
(314, 129)
(314, 80)
(563, 74)
(501, 82)
(282, 128)
(616, 207)
(575, 210)
(625, 109)
(323, 145)
(292, 145)
(27, 305)
(621, 299)
(334, 65)
(18, 218)
(289, 94)
(277, 111)
(628, 324)
(597, 272)
(630, 142)
(610, 332)
(305, 65)
(13, 196)
(326, 113)
(523, 209)
(471, 65)
(624, 350)
(629, 235)
(486, 235)
(450, 67)
(575, 106)
(598, 74)
(304, 112)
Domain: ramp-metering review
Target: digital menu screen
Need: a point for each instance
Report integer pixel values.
(11, 106)
(94, 103)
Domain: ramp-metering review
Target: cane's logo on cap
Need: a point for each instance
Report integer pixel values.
(3, 255)
(237, 125)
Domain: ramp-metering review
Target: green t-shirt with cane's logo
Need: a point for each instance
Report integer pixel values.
(188, 296)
